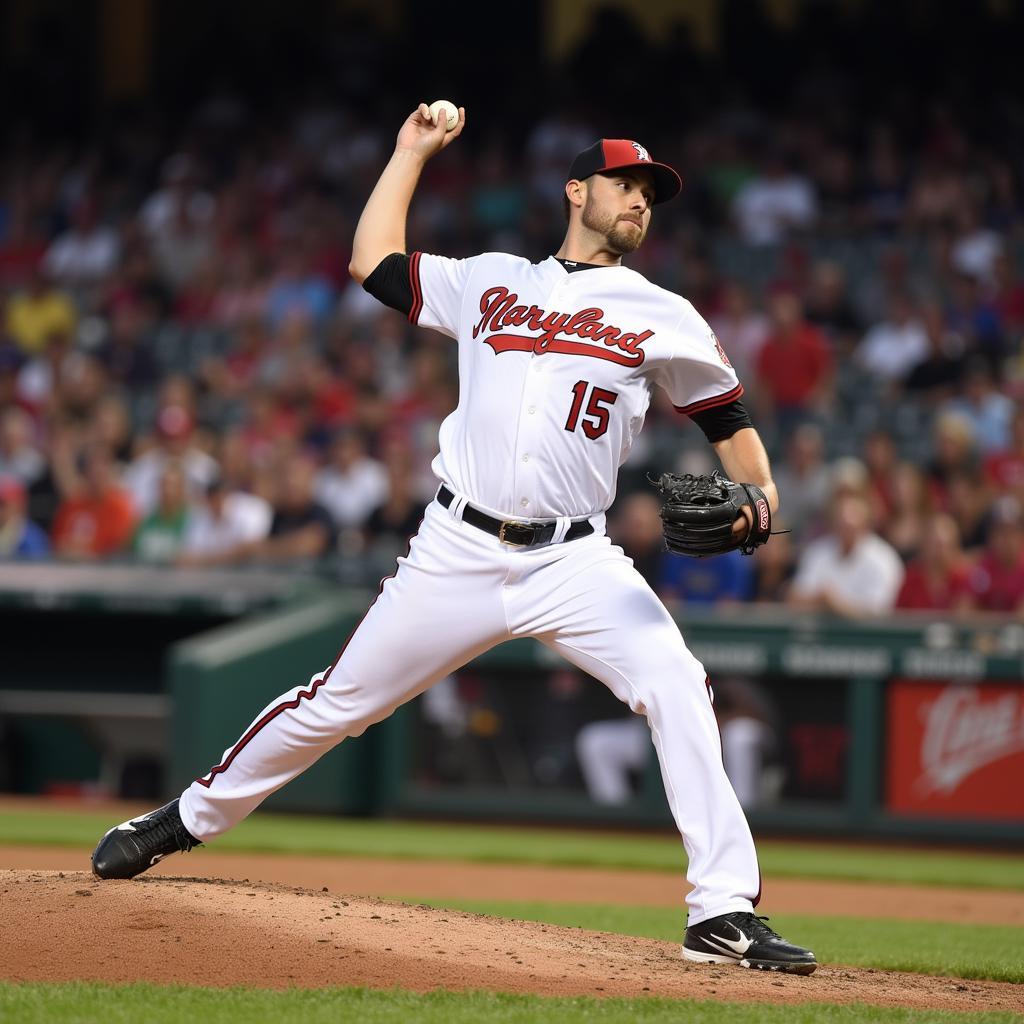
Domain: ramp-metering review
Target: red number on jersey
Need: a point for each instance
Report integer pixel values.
(597, 409)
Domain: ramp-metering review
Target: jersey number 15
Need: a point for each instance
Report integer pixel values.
(595, 419)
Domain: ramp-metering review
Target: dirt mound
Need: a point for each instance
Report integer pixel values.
(452, 880)
(61, 926)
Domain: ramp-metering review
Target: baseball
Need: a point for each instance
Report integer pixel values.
(451, 113)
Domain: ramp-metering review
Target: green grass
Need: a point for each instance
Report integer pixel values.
(429, 841)
(129, 1004)
(962, 950)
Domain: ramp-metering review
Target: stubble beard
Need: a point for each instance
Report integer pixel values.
(621, 238)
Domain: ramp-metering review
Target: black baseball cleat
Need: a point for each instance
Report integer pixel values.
(745, 939)
(133, 846)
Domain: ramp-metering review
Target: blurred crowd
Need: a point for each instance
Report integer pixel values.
(189, 376)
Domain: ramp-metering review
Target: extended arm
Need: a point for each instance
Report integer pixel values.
(381, 228)
(745, 461)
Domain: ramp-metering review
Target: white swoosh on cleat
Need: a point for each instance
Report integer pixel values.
(129, 825)
(738, 947)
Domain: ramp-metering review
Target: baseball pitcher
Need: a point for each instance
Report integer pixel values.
(557, 364)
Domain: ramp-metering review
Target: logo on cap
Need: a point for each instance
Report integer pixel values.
(641, 153)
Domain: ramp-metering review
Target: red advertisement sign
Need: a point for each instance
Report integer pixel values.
(956, 750)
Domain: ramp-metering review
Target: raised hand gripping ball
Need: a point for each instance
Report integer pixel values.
(451, 113)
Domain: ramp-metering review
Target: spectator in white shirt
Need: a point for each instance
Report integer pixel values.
(223, 527)
(86, 253)
(893, 347)
(19, 457)
(352, 484)
(175, 442)
(179, 190)
(852, 571)
(976, 247)
(774, 203)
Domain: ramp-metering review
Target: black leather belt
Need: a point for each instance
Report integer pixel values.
(508, 531)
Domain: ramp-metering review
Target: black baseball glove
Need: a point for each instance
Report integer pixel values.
(699, 512)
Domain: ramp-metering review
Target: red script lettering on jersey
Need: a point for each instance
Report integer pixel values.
(500, 310)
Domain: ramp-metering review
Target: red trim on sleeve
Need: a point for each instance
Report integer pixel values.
(710, 403)
(417, 288)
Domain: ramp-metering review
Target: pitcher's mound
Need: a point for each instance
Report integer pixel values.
(59, 926)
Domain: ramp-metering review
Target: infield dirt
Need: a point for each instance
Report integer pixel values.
(461, 880)
(60, 926)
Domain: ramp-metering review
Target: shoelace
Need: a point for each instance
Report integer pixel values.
(757, 925)
(163, 828)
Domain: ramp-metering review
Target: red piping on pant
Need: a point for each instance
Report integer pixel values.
(207, 779)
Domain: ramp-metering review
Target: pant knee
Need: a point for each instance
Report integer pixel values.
(673, 687)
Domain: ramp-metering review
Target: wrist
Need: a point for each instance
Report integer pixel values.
(406, 157)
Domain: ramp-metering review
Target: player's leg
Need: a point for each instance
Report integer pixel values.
(441, 609)
(595, 609)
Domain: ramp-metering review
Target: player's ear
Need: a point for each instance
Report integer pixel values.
(575, 194)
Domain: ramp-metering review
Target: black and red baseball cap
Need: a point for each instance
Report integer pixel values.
(608, 155)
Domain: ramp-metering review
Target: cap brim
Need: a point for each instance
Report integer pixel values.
(667, 183)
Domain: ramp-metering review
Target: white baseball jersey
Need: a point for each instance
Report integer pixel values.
(556, 370)
(556, 373)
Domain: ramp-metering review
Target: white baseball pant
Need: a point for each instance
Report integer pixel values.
(458, 593)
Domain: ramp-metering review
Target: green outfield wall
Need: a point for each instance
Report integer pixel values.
(902, 718)
(134, 680)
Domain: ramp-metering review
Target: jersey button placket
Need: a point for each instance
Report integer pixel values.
(528, 439)
(530, 424)
(525, 482)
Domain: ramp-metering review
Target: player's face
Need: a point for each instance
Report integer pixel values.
(618, 206)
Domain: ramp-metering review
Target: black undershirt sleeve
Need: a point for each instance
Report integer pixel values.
(389, 283)
(721, 422)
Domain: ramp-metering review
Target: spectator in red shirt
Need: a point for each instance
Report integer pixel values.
(937, 580)
(1005, 469)
(21, 245)
(268, 426)
(794, 364)
(996, 584)
(331, 398)
(881, 458)
(97, 517)
(1009, 293)
(197, 298)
